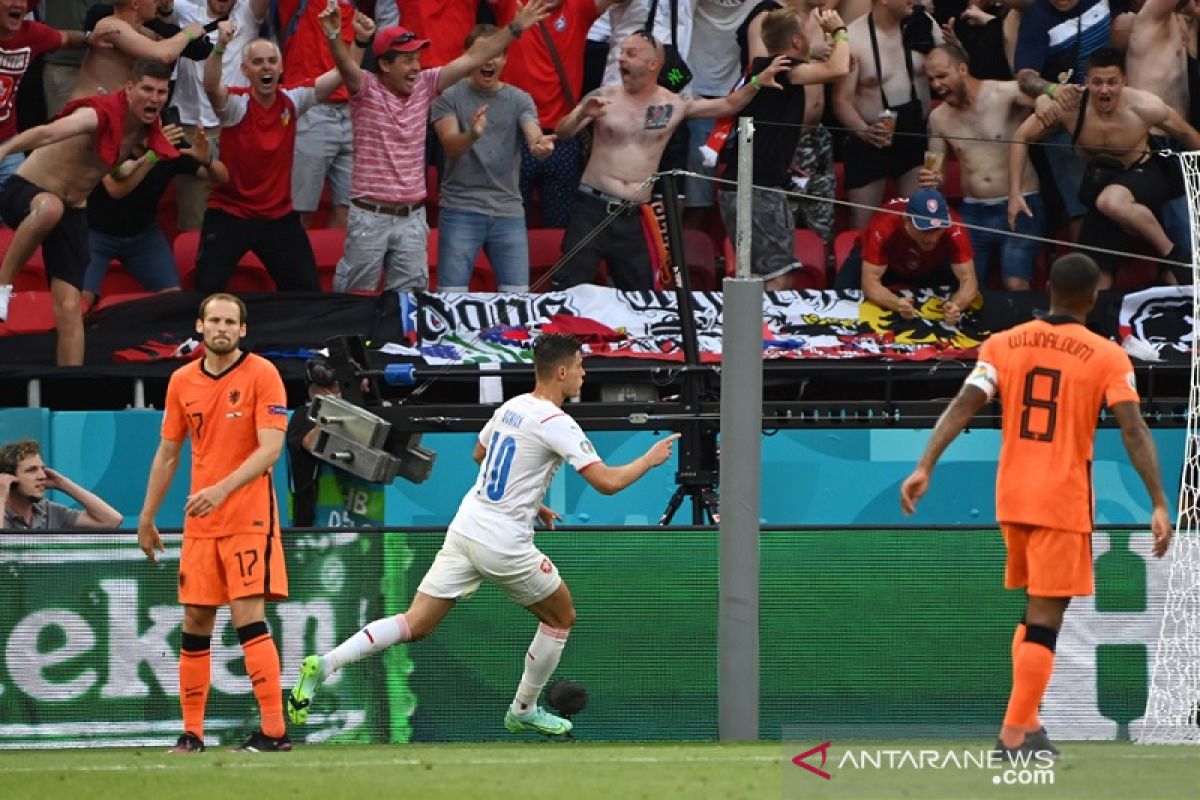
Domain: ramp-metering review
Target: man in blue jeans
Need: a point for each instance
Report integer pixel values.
(481, 123)
(121, 215)
(975, 121)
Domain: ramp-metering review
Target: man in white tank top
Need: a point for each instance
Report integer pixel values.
(491, 537)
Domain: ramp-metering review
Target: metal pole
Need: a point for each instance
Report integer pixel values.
(741, 487)
(741, 475)
(745, 204)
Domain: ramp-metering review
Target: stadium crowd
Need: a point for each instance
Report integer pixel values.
(467, 144)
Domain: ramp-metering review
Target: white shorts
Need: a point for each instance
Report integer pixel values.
(462, 564)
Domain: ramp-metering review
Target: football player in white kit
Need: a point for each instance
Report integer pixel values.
(519, 450)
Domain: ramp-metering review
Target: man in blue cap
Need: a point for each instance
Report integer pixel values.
(917, 243)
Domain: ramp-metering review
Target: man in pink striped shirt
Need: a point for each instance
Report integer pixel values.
(389, 109)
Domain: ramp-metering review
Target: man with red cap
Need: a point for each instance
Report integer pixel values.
(389, 109)
(918, 242)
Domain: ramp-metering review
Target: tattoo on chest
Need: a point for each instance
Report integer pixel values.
(658, 117)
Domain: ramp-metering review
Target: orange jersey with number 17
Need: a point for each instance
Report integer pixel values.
(1052, 376)
(222, 415)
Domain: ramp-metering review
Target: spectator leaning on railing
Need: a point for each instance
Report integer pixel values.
(24, 480)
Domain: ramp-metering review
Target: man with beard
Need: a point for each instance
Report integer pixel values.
(1125, 183)
(253, 211)
(105, 69)
(24, 481)
(45, 200)
(632, 123)
(883, 101)
(389, 110)
(974, 120)
(232, 406)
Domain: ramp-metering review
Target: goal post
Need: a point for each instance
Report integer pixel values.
(1173, 704)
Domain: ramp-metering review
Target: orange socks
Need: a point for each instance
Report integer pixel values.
(262, 666)
(1034, 724)
(1033, 664)
(195, 676)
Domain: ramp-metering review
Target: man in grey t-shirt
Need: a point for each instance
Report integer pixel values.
(24, 480)
(480, 122)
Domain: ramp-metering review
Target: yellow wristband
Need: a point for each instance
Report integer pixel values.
(472, 135)
(151, 157)
(841, 36)
(1051, 88)
(754, 82)
(218, 50)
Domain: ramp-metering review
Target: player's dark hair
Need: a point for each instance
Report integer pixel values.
(1074, 276)
(551, 350)
(953, 52)
(149, 68)
(480, 31)
(222, 296)
(14, 453)
(1106, 57)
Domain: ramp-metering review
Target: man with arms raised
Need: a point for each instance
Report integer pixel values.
(390, 112)
(45, 200)
(253, 211)
(105, 69)
(491, 537)
(1112, 124)
(1053, 376)
(974, 120)
(632, 123)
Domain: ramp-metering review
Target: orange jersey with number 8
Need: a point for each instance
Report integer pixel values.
(222, 415)
(1052, 375)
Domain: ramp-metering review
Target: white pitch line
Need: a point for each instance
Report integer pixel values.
(277, 761)
(576, 758)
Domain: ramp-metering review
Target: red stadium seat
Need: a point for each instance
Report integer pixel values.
(701, 260)
(545, 248)
(483, 277)
(118, 281)
(29, 312)
(109, 300)
(186, 246)
(810, 252)
(842, 246)
(328, 244)
(249, 276)
(32, 276)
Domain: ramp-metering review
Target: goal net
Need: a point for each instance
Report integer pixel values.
(1173, 705)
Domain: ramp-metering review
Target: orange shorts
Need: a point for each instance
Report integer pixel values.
(1048, 562)
(214, 571)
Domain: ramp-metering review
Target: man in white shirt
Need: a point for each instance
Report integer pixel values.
(195, 112)
(519, 450)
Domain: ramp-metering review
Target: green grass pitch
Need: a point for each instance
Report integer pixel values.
(579, 771)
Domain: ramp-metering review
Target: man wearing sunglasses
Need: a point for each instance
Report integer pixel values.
(389, 109)
(632, 123)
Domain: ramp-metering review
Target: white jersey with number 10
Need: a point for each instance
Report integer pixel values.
(527, 440)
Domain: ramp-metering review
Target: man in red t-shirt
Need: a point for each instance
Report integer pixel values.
(45, 200)
(918, 243)
(21, 41)
(533, 68)
(259, 128)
